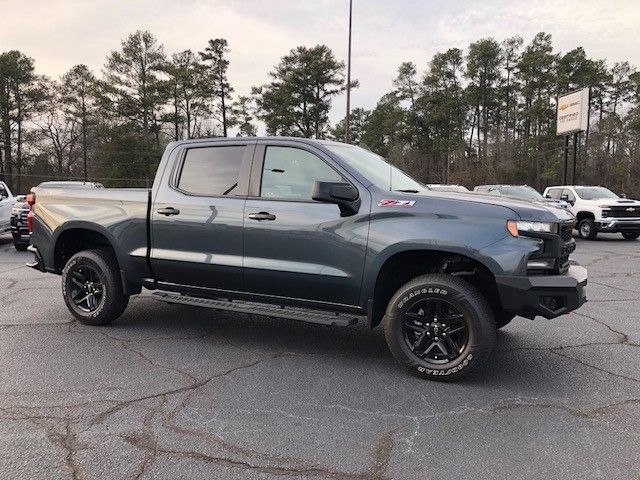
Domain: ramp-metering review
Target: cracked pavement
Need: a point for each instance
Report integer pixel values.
(179, 392)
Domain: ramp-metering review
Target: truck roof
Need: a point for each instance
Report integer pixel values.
(309, 141)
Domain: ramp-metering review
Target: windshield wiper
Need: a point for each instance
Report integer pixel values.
(406, 190)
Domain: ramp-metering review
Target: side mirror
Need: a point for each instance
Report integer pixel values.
(342, 194)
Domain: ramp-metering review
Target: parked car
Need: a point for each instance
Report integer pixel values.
(521, 192)
(20, 210)
(598, 209)
(7, 200)
(19, 228)
(70, 184)
(316, 231)
(441, 187)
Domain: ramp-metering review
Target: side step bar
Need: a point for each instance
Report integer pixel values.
(321, 317)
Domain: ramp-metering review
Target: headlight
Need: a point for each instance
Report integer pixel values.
(516, 227)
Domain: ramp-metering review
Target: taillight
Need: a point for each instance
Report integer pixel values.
(31, 200)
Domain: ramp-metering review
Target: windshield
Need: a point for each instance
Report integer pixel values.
(449, 188)
(523, 192)
(594, 193)
(376, 169)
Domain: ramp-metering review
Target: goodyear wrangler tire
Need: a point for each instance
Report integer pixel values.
(440, 327)
(92, 288)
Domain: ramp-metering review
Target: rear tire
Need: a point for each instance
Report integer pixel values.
(631, 235)
(587, 229)
(92, 287)
(440, 327)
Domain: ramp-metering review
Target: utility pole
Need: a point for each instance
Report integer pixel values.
(347, 132)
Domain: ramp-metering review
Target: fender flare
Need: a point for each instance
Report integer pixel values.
(372, 270)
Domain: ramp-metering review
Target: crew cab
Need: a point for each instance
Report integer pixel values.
(598, 209)
(315, 231)
(7, 200)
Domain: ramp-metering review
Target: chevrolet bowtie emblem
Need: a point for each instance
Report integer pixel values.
(631, 209)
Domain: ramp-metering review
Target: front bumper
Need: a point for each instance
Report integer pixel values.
(19, 227)
(545, 295)
(616, 225)
(38, 261)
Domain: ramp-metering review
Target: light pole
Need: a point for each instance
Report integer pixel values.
(347, 132)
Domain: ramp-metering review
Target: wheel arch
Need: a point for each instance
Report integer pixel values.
(73, 237)
(398, 265)
(583, 214)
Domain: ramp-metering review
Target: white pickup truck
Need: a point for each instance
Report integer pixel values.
(7, 200)
(598, 209)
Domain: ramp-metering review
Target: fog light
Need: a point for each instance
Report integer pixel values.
(541, 263)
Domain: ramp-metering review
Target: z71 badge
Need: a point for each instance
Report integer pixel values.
(396, 203)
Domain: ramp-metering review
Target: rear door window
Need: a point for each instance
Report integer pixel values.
(211, 171)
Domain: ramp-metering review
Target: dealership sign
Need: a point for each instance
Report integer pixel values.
(573, 112)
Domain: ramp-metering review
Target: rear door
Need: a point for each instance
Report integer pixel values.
(197, 216)
(294, 246)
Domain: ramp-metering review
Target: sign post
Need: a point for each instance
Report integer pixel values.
(572, 118)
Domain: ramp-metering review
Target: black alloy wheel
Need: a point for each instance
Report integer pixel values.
(435, 331)
(86, 289)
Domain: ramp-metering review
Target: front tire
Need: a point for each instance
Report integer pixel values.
(587, 229)
(631, 235)
(92, 288)
(440, 327)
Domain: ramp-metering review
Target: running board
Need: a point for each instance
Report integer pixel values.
(321, 317)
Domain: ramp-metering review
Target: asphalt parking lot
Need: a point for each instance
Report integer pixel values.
(180, 392)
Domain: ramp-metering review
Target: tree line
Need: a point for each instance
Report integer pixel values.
(483, 115)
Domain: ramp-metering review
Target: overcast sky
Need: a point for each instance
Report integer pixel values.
(61, 33)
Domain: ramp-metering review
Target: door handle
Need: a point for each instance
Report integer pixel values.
(168, 211)
(262, 216)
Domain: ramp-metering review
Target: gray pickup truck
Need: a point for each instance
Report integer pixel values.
(315, 231)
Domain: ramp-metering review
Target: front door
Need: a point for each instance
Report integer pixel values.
(296, 247)
(197, 217)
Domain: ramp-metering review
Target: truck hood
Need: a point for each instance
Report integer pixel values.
(613, 202)
(521, 209)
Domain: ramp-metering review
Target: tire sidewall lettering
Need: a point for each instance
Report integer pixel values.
(421, 291)
(448, 371)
